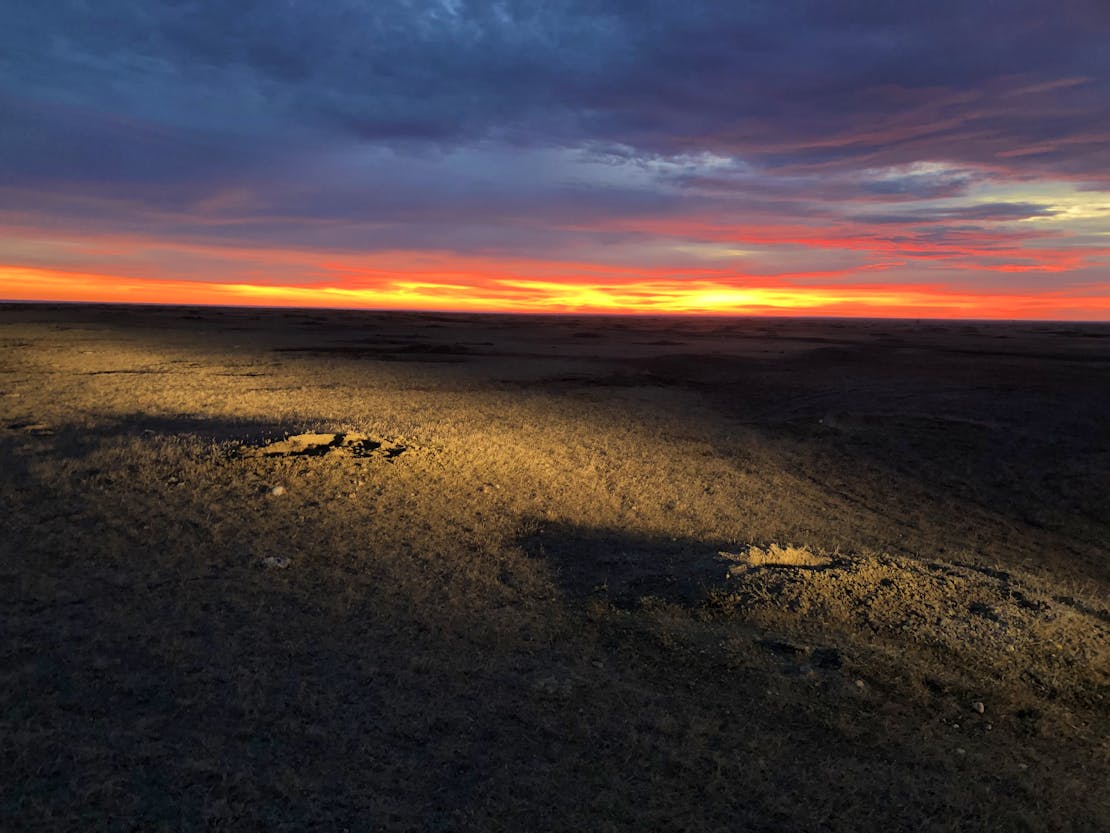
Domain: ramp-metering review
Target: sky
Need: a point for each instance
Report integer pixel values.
(948, 158)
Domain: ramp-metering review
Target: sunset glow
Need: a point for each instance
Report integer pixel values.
(664, 170)
(524, 296)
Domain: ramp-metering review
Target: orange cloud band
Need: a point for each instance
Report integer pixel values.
(461, 291)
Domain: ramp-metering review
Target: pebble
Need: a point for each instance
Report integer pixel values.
(277, 491)
(859, 684)
(961, 751)
(978, 706)
(276, 562)
(556, 687)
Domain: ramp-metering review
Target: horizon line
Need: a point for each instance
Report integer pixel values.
(48, 302)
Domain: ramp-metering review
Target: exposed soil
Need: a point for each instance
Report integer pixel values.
(343, 444)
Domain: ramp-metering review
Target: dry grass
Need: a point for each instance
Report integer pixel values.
(294, 570)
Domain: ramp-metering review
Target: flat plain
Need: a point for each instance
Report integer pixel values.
(302, 569)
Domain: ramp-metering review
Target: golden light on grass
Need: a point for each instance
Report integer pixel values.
(437, 531)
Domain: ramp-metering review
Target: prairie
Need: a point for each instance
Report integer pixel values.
(301, 569)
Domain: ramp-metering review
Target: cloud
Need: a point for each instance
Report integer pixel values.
(994, 211)
(794, 82)
(786, 134)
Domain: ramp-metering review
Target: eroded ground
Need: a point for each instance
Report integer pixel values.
(314, 570)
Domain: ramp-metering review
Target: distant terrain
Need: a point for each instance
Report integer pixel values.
(301, 569)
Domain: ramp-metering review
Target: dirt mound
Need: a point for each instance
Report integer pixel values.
(774, 556)
(1015, 627)
(350, 444)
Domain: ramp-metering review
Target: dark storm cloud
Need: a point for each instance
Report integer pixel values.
(173, 90)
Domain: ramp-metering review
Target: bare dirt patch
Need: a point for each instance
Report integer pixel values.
(993, 625)
(343, 444)
(773, 556)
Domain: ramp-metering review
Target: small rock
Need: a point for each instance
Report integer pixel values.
(860, 684)
(978, 706)
(276, 562)
(558, 687)
(961, 751)
(277, 491)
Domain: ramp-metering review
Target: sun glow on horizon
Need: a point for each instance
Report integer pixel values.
(462, 291)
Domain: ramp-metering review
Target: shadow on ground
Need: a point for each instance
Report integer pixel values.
(623, 568)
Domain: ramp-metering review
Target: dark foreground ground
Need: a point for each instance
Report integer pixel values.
(551, 574)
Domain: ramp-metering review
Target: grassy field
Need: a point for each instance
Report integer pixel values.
(292, 570)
